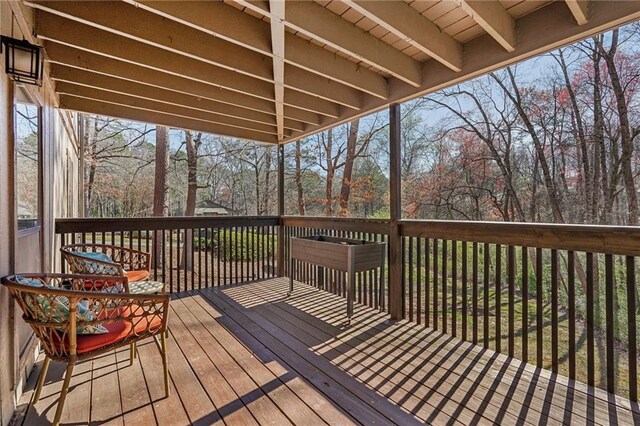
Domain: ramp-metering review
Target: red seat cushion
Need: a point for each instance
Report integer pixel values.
(117, 332)
(134, 276)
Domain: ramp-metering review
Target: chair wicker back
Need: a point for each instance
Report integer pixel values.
(123, 259)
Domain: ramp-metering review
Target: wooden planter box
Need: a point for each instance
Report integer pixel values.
(341, 254)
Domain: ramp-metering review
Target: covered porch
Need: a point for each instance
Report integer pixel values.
(450, 330)
(247, 354)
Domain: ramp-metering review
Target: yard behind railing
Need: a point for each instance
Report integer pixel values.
(561, 297)
(188, 252)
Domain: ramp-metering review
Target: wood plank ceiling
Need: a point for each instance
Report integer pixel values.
(276, 71)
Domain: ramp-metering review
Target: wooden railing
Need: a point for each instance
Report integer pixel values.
(188, 252)
(562, 297)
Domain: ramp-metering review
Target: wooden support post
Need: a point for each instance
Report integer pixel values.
(281, 242)
(395, 254)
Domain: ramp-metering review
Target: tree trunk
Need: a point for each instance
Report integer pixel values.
(345, 191)
(298, 178)
(160, 187)
(328, 190)
(625, 129)
(192, 145)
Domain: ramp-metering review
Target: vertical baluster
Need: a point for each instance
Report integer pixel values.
(571, 301)
(200, 258)
(218, 254)
(525, 304)
(179, 256)
(435, 284)
(427, 278)
(486, 276)
(272, 240)
(154, 256)
(498, 298)
(162, 252)
(554, 310)
(206, 257)
(631, 320)
(171, 260)
(223, 254)
(254, 253)
(403, 275)
(590, 321)
(511, 282)
(474, 291)
(410, 278)
(454, 288)
(444, 286)
(188, 258)
(610, 310)
(63, 264)
(464, 289)
(263, 253)
(193, 257)
(239, 254)
(419, 280)
(539, 308)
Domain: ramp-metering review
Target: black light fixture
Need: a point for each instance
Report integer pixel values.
(23, 60)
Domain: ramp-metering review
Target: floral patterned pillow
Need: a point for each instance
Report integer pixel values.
(93, 267)
(56, 309)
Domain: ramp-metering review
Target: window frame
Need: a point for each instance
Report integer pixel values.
(31, 99)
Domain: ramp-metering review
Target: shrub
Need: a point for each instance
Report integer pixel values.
(236, 245)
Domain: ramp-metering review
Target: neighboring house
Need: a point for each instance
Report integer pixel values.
(210, 208)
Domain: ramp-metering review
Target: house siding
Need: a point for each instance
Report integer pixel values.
(60, 182)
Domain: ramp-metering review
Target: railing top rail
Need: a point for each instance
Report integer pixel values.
(68, 225)
(377, 226)
(623, 240)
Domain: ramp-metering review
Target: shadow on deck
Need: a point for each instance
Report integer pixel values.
(247, 354)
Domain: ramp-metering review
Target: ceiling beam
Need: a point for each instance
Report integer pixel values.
(76, 76)
(579, 9)
(319, 23)
(63, 31)
(230, 24)
(277, 48)
(494, 19)
(483, 55)
(66, 88)
(79, 59)
(126, 112)
(149, 28)
(407, 23)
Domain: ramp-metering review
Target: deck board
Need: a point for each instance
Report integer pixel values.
(247, 354)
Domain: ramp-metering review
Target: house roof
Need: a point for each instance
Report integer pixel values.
(276, 71)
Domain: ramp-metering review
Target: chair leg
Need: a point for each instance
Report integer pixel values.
(63, 392)
(133, 352)
(41, 379)
(165, 363)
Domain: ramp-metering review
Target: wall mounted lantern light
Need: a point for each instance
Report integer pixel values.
(23, 60)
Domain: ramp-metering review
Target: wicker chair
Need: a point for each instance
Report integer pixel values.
(128, 319)
(134, 264)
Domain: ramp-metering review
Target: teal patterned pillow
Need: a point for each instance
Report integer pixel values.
(56, 309)
(95, 267)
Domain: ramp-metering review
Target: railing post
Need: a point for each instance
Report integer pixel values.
(395, 255)
(281, 260)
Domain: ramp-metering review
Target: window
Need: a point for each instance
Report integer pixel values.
(27, 131)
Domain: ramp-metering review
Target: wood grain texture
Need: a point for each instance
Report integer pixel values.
(243, 354)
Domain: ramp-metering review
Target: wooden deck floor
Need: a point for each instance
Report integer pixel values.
(248, 355)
